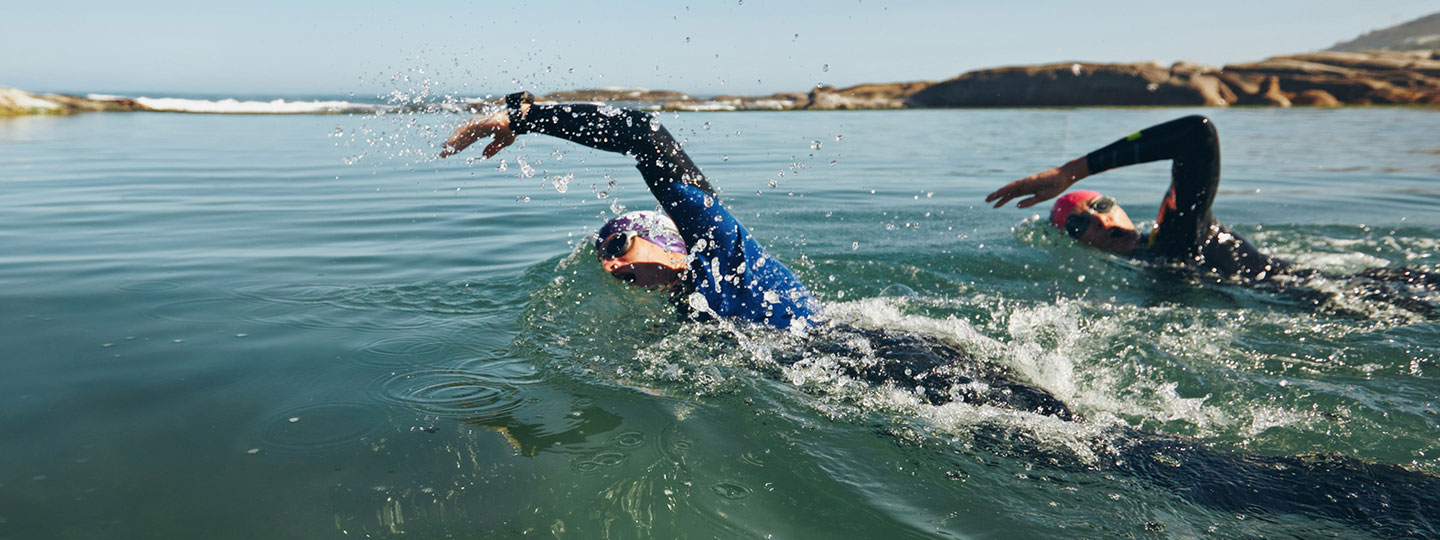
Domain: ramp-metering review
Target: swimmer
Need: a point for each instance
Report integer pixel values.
(713, 268)
(1185, 231)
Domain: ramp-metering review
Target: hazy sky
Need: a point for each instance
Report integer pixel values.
(698, 46)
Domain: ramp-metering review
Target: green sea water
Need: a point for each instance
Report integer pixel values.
(236, 326)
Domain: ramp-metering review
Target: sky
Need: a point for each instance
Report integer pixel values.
(749, 47)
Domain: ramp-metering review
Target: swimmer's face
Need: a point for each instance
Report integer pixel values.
(638, 261)
(1101, 223)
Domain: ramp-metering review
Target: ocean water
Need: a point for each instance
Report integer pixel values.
(305, 326)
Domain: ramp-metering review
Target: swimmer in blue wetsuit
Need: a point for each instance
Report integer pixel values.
(1185, 232)
(726, 273)
(713, 267)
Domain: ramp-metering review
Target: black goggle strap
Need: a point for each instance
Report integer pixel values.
(616, 244)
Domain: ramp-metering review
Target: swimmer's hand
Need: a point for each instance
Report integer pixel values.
(496, 124)
(1041, 186)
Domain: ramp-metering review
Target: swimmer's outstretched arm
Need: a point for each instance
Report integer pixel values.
(634, 133)
(1190, 141)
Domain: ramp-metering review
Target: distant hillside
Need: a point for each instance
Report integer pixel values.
(1419, 34)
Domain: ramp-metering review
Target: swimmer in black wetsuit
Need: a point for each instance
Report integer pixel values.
(714, 269)
(1185, 230)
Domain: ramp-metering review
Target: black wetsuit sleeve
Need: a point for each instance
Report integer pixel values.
(658, 155)
(1184, 221)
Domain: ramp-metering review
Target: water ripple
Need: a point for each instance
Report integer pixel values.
(149, 286)
(315, 427)
(453, 393)
(413, 349)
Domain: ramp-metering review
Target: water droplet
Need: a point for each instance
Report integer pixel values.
(562, 183)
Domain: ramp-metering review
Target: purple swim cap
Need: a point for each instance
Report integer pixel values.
(648, 224)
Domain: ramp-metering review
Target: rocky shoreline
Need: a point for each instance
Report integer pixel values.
(14, 102)
(1320, 79)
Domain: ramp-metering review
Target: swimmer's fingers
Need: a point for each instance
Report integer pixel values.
(502, 140)
(496, 124)
(1032, 201)
(999, 199)
(1029, 185)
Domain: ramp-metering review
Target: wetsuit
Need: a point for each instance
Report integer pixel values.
(731, 276)
(1185, 230)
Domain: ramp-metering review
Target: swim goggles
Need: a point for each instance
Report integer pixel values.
(1077, 223)
(617, 244)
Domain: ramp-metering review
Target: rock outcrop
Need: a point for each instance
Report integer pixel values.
(1078, 84)
(15, 102)
(863, 96)
(1376, 77)
(1319, 79)
(619, 95)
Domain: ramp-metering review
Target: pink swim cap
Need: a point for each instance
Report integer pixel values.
(1067, 203)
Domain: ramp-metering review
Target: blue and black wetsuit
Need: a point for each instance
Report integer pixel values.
(730, 275)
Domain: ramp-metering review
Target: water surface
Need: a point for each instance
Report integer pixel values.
(234, 326)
